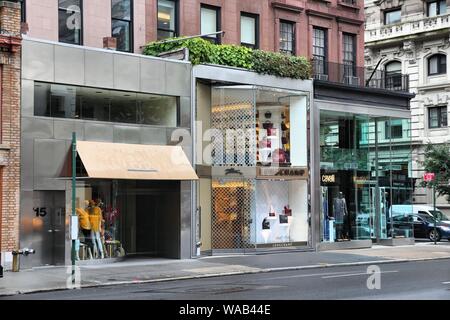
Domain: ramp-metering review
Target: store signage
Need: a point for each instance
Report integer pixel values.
(40, 212)
(429, 176)
(285, 173)
(328, 178)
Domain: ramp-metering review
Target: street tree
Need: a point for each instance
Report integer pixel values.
(437, 161)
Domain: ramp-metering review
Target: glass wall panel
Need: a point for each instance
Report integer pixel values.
(62, 101)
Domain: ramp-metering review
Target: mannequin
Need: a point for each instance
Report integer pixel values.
(95, 218)
(85, 225)
(340, 214)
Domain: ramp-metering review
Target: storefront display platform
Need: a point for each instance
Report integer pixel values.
(91, 262)
(352, 244)
(397, 242)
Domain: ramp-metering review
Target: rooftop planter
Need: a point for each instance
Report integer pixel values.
(263, 62)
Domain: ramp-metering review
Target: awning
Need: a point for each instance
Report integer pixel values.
(104, 160)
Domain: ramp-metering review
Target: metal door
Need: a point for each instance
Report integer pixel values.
(49, 228)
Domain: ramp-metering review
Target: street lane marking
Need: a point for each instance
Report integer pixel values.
(355, 274)
(305, 275)
(448, 282)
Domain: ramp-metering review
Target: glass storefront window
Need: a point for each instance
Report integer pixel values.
(365, 169)
(63, 101)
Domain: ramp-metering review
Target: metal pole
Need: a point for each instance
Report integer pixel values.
(74, 173)
(434, 213)
(377, 189)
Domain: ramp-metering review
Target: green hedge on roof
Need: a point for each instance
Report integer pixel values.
(263, 62)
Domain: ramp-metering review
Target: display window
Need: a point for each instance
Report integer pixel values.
(365, 168)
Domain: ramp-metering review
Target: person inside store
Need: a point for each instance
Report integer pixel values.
(85, 224)
(95, 218)
(340, 216)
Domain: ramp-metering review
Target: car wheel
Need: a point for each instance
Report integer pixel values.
(434, 236)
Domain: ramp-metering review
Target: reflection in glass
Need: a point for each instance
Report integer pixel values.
(166, 19)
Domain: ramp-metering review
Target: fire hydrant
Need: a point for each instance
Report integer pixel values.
(16, 258)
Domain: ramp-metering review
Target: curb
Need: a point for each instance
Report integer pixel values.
(224, 274)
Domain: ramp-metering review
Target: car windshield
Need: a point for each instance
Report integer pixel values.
(439, 215)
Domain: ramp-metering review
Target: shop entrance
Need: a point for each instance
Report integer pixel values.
(49, 227)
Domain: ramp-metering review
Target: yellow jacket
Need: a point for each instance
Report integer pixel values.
(83, 218)
(95, 218)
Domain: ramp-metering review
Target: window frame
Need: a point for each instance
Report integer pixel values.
(175, 32)
(439, 65)
(23, 11)
(293, 34)
(351, 62)
(388, 130)
(81, 26)
(256, 17)
(325, 48)
(440, 119)
(131, 26)
(438, 7)
(386, 12)
(218, 38)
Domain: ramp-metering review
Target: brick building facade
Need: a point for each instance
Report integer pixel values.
(337, 17)
(10, 63)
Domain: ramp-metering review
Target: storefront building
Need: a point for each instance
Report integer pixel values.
(365, 165)
(252, 154)
(133, 188)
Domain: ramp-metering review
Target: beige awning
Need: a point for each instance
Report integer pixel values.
(104, 160)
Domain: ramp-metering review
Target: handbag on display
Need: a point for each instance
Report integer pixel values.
(268, 114)
(283, 219)
(265, 224)
(271, 212)
(265, 143)
(267, 125)
(284, 127)
(279, 156)
(272, 131)
(287, 211)
(284, 140)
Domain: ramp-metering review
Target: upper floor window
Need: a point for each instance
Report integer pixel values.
(436, 7)
(70, 21)
(23, 11)
(437, 64)
(393, 74)
(75, 102)
(122, 24)
(210, 22)
(349, 55)
(167, 19)
(392, 16)
(437, 117)
(287, 37)
(320, 49)
(249, 30)
(394, 129)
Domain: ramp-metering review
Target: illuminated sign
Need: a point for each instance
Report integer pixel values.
(328, 178)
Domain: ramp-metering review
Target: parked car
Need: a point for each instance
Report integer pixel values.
(407, 209)
(424, 228)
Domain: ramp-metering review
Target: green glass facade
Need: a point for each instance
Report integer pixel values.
(365, 168)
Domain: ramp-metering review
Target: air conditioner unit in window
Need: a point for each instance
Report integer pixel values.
(321, 76)
(351, 80)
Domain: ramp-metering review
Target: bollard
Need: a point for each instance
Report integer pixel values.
(15, 261)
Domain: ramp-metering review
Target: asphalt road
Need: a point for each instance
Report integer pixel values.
(411, 280)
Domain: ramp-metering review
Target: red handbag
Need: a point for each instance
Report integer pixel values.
(272, 132)
(267, 125)
(265, 144)
(279, 156)
(287, 211)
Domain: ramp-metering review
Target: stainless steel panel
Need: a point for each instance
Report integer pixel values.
(49, 159)
(99, 69)
(185, 112)
(27, 98)
(38, 61)
(186, 240)
(126, 72)
(361, 109)
(98, 132)
(69, 65)
(26, 164)
(156, 136)
(26, 226)
(178, 79)
(153, 73)
(63, 129)
(125, 134)
(37, 127)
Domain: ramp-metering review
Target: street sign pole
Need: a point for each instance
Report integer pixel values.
(434, 213)
(74, 172)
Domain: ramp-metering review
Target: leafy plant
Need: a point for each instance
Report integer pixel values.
(437, 161)
(202, 51)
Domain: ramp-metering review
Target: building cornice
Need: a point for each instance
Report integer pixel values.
(287, 7)
(311, 12)
(349, 21)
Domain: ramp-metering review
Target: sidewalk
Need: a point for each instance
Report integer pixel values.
(154, 270)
